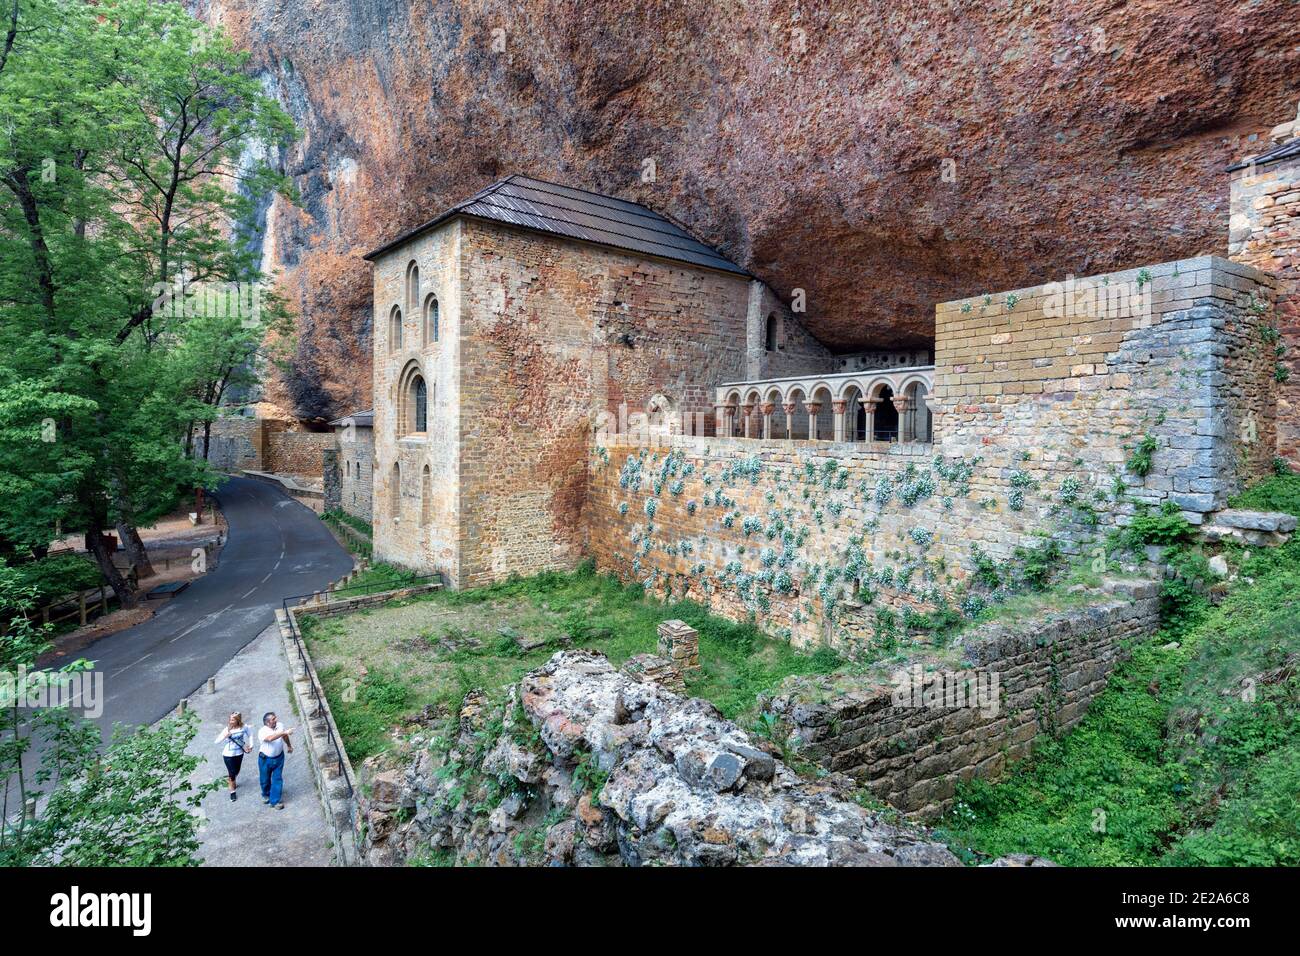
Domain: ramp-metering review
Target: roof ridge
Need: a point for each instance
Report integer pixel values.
(528, 202)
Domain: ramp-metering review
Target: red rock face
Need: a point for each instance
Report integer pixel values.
(808, 142)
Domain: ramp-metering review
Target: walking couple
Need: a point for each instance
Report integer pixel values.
(272, 740)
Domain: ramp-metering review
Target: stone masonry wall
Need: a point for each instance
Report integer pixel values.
(294, 452)
(1264, 232)
(796, 352)
(415, 509)
(1088, 383)
(1036, 420)
(554, 334)
(913, 735)
(356, 470)
(235, 443)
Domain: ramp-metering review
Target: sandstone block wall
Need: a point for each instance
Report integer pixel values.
(1036, 420)
(1085, 385)
(296, 453)
(1264, 232)
(1048, 672)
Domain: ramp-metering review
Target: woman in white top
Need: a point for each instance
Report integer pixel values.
(238, 740)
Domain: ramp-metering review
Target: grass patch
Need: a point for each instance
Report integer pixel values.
(383, 666)
(340, 521)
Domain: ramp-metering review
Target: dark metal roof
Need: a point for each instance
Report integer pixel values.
(1279, 152)
(364, 419)
(577, 214)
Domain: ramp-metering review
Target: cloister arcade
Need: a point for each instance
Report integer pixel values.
(885, 405)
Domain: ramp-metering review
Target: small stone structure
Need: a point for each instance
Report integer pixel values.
(349, 471)
(655, 669)
(679, 643)
(912, 734)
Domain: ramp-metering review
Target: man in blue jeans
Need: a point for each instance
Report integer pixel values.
(270, 758)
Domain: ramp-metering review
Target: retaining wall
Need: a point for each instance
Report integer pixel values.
(911, 736)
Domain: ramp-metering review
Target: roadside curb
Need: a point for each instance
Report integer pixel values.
(336, 781)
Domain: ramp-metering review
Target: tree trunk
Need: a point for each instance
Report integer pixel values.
(126, 598)
(135, 549)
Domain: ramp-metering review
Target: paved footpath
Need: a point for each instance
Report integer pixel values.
(248, 832)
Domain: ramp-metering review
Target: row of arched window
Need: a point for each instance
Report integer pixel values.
(426, 494)
(429, 317)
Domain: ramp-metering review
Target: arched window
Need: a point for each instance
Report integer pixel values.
(395, 329)
(430, 320)
(426, 496)
(420, 404)
(412, 286)
(395, 492)
(773, 332)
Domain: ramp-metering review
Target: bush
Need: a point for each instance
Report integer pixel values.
(1167, 526)
(54, 577)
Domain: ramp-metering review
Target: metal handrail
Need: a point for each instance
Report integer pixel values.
(318, 692)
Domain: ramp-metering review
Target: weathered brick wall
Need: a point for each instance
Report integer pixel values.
(1036, 418)
(1264, 232)
(913, 734)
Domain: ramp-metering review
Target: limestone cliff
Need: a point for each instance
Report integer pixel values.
(807, 141)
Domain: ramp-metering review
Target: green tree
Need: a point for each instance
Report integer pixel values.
(136, 149)
(133, 804)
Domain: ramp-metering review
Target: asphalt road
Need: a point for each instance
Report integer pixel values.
(276, 548)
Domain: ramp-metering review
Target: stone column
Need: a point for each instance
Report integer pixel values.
(767, 408)
(814, 409)
(901, 403)
(680, 643)
(870, 405)
(788, 408)
(838, 406)
(749, 419)
(720, 420)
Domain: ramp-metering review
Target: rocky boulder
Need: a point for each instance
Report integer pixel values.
(590, 767)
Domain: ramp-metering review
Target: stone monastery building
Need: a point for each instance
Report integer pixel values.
(561, 375)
